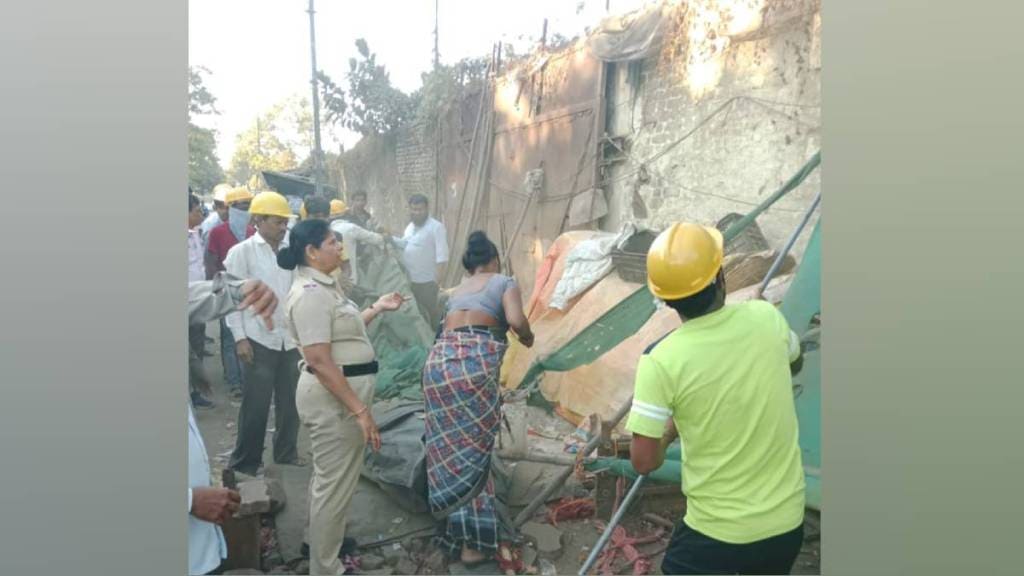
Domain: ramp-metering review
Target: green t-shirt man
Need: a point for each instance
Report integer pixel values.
(724, 380)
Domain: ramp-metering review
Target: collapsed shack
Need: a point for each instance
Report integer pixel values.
(532, 445)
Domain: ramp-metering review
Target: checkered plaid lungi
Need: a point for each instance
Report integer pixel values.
(460, 383)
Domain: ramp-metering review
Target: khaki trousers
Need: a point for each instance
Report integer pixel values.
(338, 445)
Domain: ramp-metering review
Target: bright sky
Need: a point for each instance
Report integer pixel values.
(258, 50)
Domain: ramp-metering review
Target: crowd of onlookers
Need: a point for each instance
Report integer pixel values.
(249, 236)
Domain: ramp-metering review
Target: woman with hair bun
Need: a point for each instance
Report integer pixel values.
(463, 400)
(335, 389)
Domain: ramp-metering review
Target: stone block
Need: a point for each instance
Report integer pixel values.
(546, 539)
(392, 554)
(372, 562)
(255, 497)
(406, 566)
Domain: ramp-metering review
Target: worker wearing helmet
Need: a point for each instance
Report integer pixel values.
(220, 211)
(722, 382)
(268, 354)
(338, 208)
(233, 230)
(221, 240)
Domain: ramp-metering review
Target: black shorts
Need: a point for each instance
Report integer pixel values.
(690, 552)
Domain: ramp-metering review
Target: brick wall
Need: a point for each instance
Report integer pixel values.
(415, 155)
(391, 168)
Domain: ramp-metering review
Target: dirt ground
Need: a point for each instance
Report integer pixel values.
(376, 518)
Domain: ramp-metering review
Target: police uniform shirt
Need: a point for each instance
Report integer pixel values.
(318, 312)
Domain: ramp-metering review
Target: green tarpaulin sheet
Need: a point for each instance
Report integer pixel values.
(401, 338)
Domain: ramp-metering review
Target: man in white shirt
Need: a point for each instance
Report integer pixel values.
(196, 267)
(351, 235)
(425, 254)
(209, 506)
(196, 332)
(269, 356)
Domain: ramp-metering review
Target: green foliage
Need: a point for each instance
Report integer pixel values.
(200, 100)
(333, 98)
(204, 171)
(446, 85)
(557, 41)
(371, 105)
(375, 106)
(275, 141)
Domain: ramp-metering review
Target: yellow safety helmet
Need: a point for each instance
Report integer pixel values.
(269, 203)
(338, 207)
(237, 195)
(683, 260)
(303, 214)
(220, 193)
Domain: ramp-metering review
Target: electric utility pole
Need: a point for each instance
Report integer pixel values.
(437, 56)
(317, 156)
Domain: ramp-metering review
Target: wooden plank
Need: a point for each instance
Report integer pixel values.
(242, 535)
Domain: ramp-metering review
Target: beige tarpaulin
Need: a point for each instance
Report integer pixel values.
(604, 385)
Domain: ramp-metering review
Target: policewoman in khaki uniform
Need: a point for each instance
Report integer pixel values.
(335, 389)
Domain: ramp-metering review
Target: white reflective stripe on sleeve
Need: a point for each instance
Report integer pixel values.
(651, 411)
(794, 346)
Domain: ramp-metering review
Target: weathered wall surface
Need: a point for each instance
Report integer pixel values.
(416, 159)
(747, 83)
(371, 165)
(727, 110)
(390, 168)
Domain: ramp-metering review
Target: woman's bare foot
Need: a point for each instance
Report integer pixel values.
(470, 556)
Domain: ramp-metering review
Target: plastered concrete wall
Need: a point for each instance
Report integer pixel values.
(747, 82)
(417, 166)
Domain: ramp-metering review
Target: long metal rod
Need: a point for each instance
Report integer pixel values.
(611, 525)
(789, 246)
(317, 156)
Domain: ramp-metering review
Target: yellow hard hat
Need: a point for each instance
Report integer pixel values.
(683, 260)
(220, 192)
(302, 211)
(237, 195)
(338, 207)
(269, 203)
